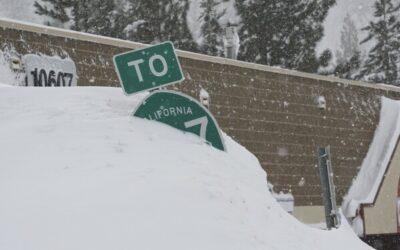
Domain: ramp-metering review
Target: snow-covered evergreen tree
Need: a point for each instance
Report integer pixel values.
(56, 10)
(156, 21)
(177, 26)
(94, 16)
(282, 33)
(349, 69)
(256, 30)
(381, 65)
(142, 16)
(349, 43)
(121, 18)
(211, 30)
(81, 15)
(348, 56)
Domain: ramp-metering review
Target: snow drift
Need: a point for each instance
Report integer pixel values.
(77, 172)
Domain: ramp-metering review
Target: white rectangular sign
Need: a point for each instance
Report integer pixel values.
(46, 71)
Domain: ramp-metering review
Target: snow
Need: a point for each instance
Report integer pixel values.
(285, 200)
(204, 97)
(361, 12)
(194, 21)
(134, 26)
(78, 172)
(358, 225)
(366, 184)
(5, 71)
(20, 10)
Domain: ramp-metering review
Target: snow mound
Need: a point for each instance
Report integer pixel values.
(365, 187)
(78, 172)
(7, 75)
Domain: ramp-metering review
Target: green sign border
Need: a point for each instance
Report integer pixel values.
(155, 87)
(190, 99)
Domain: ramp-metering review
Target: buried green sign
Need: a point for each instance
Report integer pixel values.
(182, 112)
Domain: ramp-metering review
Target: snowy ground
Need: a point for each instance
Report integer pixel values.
(77, 172)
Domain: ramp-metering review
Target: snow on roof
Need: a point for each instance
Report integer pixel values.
(78, 172)
(366, 185)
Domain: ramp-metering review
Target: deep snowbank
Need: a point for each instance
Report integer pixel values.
(76, 172)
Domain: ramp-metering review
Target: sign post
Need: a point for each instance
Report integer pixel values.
(332, 216)
(149, 68)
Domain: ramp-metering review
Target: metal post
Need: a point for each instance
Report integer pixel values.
(328, 187)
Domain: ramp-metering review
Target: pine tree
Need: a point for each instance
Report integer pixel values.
(256, 30)
(282, 33)
(142, 17)
(56, 10)
(349, 43)
(121, 19)
(348, 56)
(94, 16)
(381, 65)
(80, 12)
(176, 27)
(348, 69)
(211, 30)
(155, 21)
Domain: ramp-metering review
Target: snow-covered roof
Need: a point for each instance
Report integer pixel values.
(9, 23)
(366, 185)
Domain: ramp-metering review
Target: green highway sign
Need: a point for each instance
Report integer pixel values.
(182, 112)
(149, 68)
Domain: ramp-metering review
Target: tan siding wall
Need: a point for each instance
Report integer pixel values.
(381, 217)
(270, 111)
